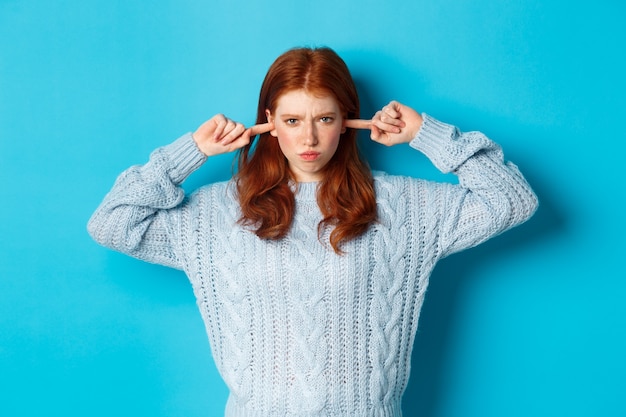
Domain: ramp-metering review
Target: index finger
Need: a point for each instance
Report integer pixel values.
(358, 123)
(260, 128)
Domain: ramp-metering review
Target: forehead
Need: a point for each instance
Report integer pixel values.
(302, 101)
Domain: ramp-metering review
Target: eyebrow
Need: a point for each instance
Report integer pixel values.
(296, 116)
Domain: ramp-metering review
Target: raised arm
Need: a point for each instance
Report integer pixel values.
(140, 216)
(220, 135)
(492, 195)
(392, 125)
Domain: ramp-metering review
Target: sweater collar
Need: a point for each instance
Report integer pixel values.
(305, 191)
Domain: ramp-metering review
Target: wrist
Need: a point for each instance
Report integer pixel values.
(419, 122)
(185, 157)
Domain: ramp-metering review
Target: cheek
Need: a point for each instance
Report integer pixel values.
(285, 140)
(282, 135)
(281, 132)
(286, 132)
(333, 136)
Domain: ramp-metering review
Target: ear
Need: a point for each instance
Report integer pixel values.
(270, 119)
(343, 126)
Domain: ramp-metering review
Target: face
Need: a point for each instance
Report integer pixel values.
(307, 128)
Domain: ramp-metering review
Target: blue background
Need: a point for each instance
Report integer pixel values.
(532, 323)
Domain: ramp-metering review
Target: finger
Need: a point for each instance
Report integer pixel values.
(241, 141)
(220, 124)
(357, 123)
(375, 133)
(233, 131)
(391, 117)
(383, 126)
(381, 136)
(394, 108)
(390, 112)
(230, 126)
(260, 129)
(386, 112)
(393, 121)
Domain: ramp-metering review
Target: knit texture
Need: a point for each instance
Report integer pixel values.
(294, 328)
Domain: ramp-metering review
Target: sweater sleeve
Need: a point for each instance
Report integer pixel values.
(140, 216)
(492, 195)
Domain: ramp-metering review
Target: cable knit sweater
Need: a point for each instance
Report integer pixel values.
(295, 329)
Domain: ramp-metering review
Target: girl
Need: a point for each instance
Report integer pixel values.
(309, 270)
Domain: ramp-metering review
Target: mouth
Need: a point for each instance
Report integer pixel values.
(309, 156)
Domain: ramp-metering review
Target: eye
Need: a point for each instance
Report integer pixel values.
(291, 121)
(327, 119)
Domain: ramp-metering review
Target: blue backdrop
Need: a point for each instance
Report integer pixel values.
(533, 323)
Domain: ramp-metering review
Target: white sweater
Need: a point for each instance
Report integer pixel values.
(295, 329)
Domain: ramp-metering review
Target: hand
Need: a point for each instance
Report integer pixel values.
(220, 135)
(394, 124)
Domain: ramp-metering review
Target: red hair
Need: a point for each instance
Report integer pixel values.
(346, 194)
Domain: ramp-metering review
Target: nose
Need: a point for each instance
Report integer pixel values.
(310, 134)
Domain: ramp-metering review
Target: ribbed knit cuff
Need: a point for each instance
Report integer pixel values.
(184, 157)
(445, 146)
(431, 140)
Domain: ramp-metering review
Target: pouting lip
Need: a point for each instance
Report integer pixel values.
(309, 156)
(309, 153)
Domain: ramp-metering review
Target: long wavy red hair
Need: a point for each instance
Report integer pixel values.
(264, 182)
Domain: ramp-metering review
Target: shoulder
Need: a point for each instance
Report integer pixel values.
(223, 193)
(399, 187)
(384, 182)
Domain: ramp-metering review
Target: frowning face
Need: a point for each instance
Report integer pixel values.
(307, 128)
